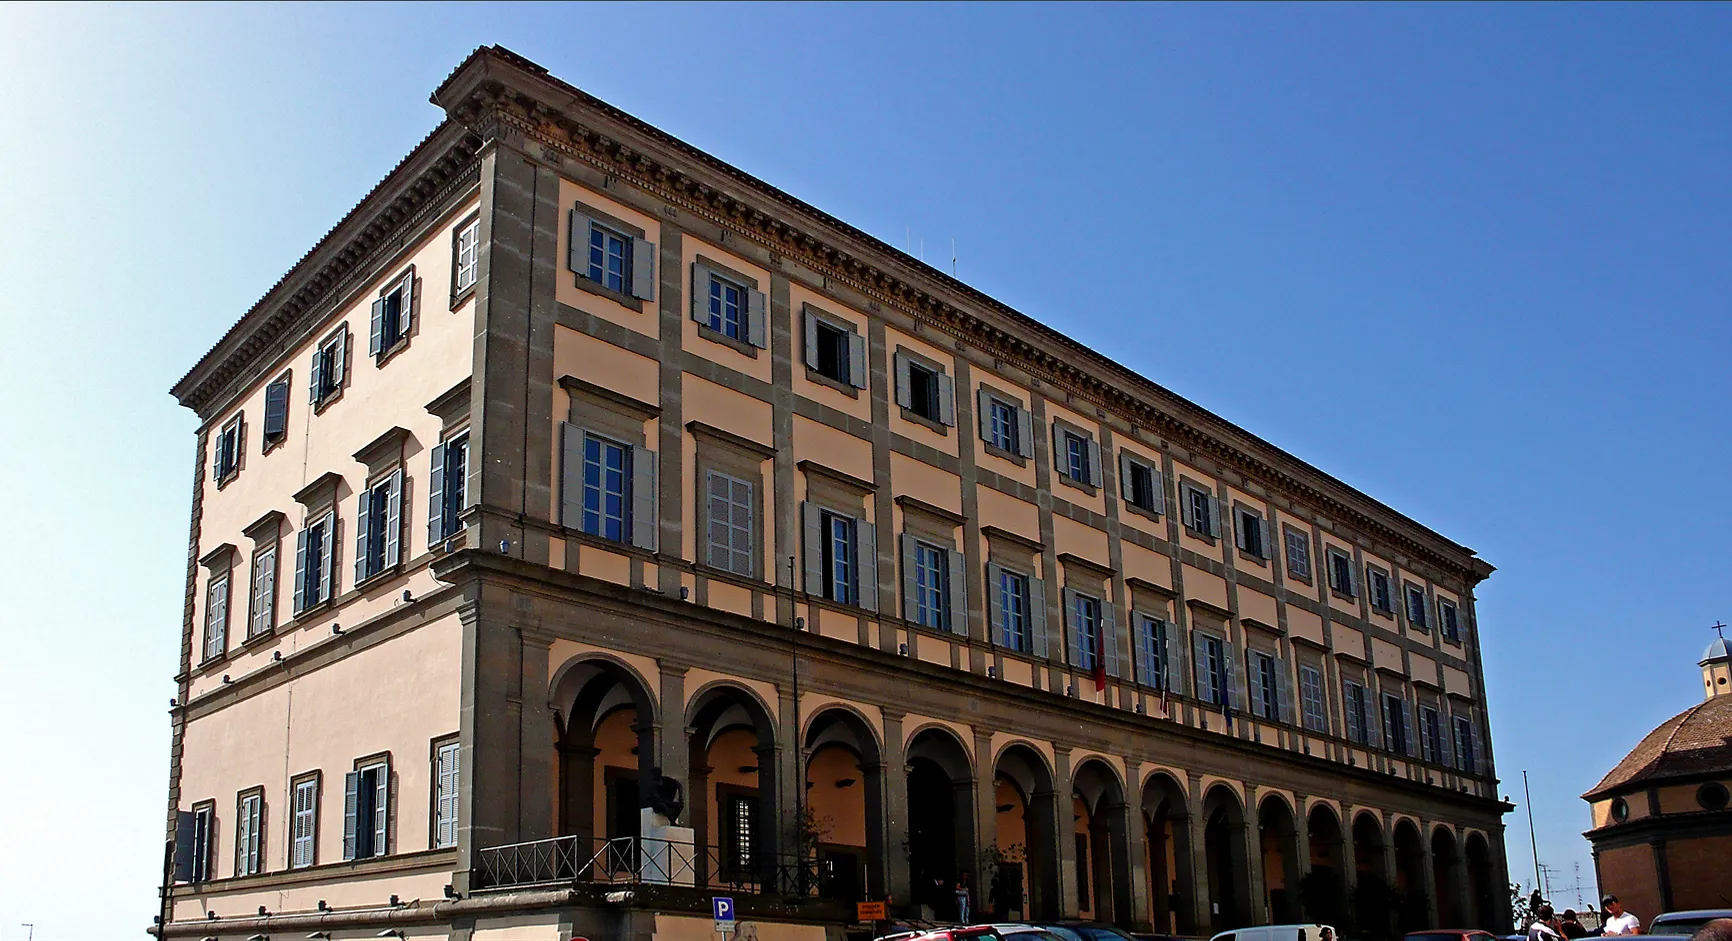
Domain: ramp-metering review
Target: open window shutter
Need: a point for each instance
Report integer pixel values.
(1097, 473)
(946, 399)
(910, 607)
(363, 532)
(1187, 511)
(1374, 722)
(1408, 727)
(1110, 639)
(1059, 464)
(1200, 665)
(394, 520)
(327, 558)
(1240, 532)
(301, 571)
(994, 604)
(811, 341)
(643, 269)
(1283, 692)
(812, 530)
(351, 811)
(185, 840)
(571, 477)
(382, 810)
(407, 290)
(1478, 763)
(577, 253)
(643, 498)
(1235, 682)
(1037, 645)
(376, 336)
(857, 360)
(983, 413)
(1025, 433)
(758, 319)
(1254, 680)
(1072, 630)
(318, 376)
(1353, 705)
(1175, 672)
(700, 307)
(958, 592)
(1214, 516)
(1159, 504)
(1142, 641)
(904, 383)
(866, 547)
(436, 497)
(340, 359)
(1125, 476)
(276, 410)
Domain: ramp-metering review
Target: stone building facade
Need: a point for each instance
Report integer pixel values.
(687, 481)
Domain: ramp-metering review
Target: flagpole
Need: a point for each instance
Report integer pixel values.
(1529, 797)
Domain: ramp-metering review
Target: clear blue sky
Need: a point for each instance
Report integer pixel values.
(1471, 259)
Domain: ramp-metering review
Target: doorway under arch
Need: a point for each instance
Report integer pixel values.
(1025, 874)
(1168, 845)
(940, 820)
(840, 826)
(1225, 854)
(1278, 840)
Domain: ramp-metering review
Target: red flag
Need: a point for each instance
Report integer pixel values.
(1100, 675)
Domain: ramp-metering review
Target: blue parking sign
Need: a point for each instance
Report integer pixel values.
(722, 907)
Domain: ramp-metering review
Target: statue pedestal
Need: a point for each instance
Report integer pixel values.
(665, 852)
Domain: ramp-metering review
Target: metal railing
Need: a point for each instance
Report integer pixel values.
(573, 860)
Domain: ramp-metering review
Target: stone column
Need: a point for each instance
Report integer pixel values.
(1428, 865)
(893, 812)
(1258, 903)
(1302, 850)
(1069, 900)
(1203, 916)
(1136, 840)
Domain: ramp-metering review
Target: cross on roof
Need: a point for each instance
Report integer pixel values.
(1720, 629)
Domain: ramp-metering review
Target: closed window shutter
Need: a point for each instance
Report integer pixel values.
(1158, 487)
(643, 269)
(1350, 706)
(1283, 693)
(327, 552)
(1037, 645)
(1214, 516)
(995, 604)
(1254, 677)
(185, 839)
(812, 528)
(363, 535)
(1142, 640)
(866, 564)
(811, 341)
(857, 360)
(382, 810)
(1409, 735)
(1072, 630)
(758, 320)
(376, 343)
(577, 253)
(904, 382)
(1097, 473)
(340, 358)
(1110, 639)
(1235, 682)
(436, 497)
(1241, 533)
(1174, 678)
(406, 290)
(447, 808)
(910, 585)
(643, 498)
(700, 305)
(317, 374)
(946, 399)
(1125, 491)
(1025, 436)
(957, 591)
(394, 519)
(276, 410)
(1060, 460)
(1374, 722)
(571, 477)
(351, 811)
(1201, 680)
(301, 571)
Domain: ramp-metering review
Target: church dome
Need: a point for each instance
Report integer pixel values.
(1693, 743)
(1719, 649)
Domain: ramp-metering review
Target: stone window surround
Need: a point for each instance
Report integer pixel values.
(338, 334)
(620, 226)
(1372, 568)
(738, 457)
(936, 425)
(266, 533)
(742, 347)
(219, 563)
(1423, 627)
(1262, 561)
(1061, 424)
(287, 379)
(985, 420)
(1187, 484)
(1310, 559)
(847, 326)
(459, 296)
(1160, 479)
(1330, 553)
(411, 313)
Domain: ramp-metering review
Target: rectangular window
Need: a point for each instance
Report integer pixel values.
(840, 573)
(449, 472)
(1004, 427)
(1140, 486)
(1416, 608)
(445, 795)
(263, 616)
(742, 823)
(730, 524)
(1212, 670)
(378, 527)
(1200, 506)
(276, 412)
(216, 617)
(467, 251)
(367, 811)
(1086, 612)
(1449, 618)
(1430, 735)
(1076, 458)
(923, 392)
(304, 823)
(833, 348)
(1298, 554)
(1356, 711)
(1014, 597)
(330, 364)
(1377, 582)
(249, 817)
(728, 308)
(203, 842)
(1466, 755)
(1153, 642)
(1311, 699)
(1395, 732)
(314, 576)
(1341, 573)
(393, 316)
(1251, 534)
(609, 258)
(1268, 701)
(606, 488)
(931, 587)
(227, 447)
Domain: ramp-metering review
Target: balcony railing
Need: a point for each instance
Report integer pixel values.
(629, 861)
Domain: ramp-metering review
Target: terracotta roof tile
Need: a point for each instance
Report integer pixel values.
(1693, 742)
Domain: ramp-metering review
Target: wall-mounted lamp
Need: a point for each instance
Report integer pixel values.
(1006, 808)
(324, 906)
(262, 913)
(902, 649)
(408, 596)
(450, 892)
(748, 769)
(799, 624)
(394, 903)
(319, 936)
(336, 628)
(277, 656)
(1142, 710)
(846, 782)
(259, 937)
(685, 593)
(504, 548)
(1070, 690)
(226, 678)
(173, 703)
(390, 933)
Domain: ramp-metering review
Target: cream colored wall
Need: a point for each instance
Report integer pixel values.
(945, 443)
(693, 341)
(839, 812)
(566, 291)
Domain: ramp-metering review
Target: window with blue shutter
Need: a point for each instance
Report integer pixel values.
(1076, 457)
(1003, 428)
(1140, 484)
(1152, 651)
(841, 575)
(1354, 709)
(1014, 610)
(1085, 617)
(1341, 573)
(315, 581)
(1395, 731)
(226, 459)
(1265, 687)
(728, 308)
(931, 587)
(367, 811)
(393, 316)
(1466, 752)
(609, 258)
(449, 479)
(465, 256)
(1416, 608)
(203, 843)
(1378, 591)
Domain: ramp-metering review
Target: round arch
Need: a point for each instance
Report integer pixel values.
(733, 793)
(1323, 890)
(605, 717)
(1024, 880)
(1373, 903)
(1172, 890)
(1100, 831)
(1225, 855)
(1449, 885)
(1482, 908)
(840, 819)
(940, 815)
(1278, 843)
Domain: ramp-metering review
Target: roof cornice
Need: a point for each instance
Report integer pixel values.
(499, 94)
(443, 161)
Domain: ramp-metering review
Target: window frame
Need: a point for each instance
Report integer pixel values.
(1268, 685)
(324, 521)
(1466, 744)
(221, 577)
(250, 859)
(1303, 572)
(932, 585)
(1024, 635)
(272, 548)
(1193, 514)
(625, 495)
(1005, 436)
(204, 858)
(1410, 592)
(1155, 635)
(1340, 564)
(377, 526)
(331, 354)
(230, 445)
(1144, 500)
(750, 552)
(314, 780)
(1242, 514)
(380, 761)
(850, 565)
(437, 749)
(1449, 621)
(1382, 602)
(1359, 697)
(452, 498)
(1216, 669)
(1087, 611)
(462, 290)
(1312, 694)
(389, 331)
(1430, 721)
(1393, 707)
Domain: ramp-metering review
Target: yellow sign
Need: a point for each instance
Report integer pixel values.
(870, 911)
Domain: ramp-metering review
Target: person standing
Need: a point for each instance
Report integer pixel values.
(1571, 926)
(1542, 929)
(1618, 921)
(962, 898)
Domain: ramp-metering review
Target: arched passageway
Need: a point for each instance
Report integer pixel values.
(1481, 903)
(1278, 839)
(732, 801)
(1225, 853)
(1412, 888)
(604, 718)
(1102, 845)
(1374, 900)
(839, 827)
(1023, 883)
(1323, 890)
(1168, 845)
(1448, 882)
(940, 820)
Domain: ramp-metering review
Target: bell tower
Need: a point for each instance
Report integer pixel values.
(1716, 667)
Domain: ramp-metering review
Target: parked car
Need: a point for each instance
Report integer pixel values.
(955, 933)
(1084, 931)
(1686, 923)
(1277, 933)
(1451, 934)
